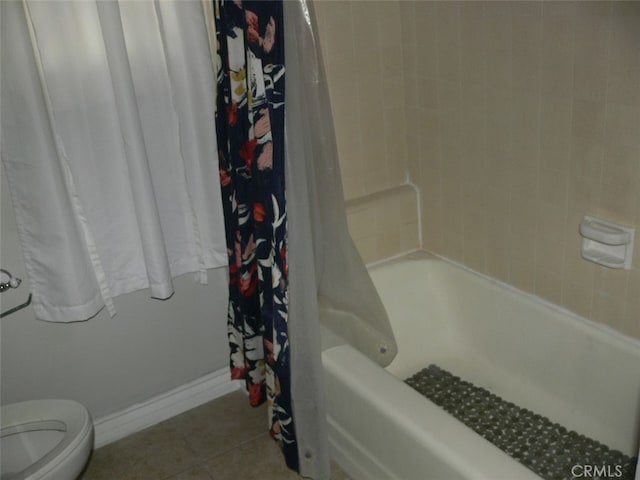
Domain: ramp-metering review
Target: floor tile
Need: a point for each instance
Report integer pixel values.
(337, 473)
(218, 426)
(145, 455)
(260, 458)
(222, 439)
(114, 460)
(199, 472)
(166, 457)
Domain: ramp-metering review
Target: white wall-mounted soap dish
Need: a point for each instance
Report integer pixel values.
(607, 243)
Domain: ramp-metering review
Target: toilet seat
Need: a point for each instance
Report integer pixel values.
(66, 416)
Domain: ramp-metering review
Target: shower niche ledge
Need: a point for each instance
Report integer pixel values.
(607, 243)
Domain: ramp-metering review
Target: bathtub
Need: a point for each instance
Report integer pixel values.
(573, 371)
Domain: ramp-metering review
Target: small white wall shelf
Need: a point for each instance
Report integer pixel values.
(607, 243)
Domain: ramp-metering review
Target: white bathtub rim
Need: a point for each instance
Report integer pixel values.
(567, 393)
(456, 446)
(601, 327)
(398, 257)
(353, 457)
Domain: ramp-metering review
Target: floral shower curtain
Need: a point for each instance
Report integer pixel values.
(250, 133)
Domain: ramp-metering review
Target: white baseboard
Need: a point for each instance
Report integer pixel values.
(118, 425)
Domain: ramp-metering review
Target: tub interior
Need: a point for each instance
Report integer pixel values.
(542, 358)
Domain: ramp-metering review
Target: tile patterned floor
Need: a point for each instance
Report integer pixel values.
(220, 440)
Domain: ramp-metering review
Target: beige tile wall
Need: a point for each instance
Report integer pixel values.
(362, 49)
(521, 118)
(515, 119)
(385, 223)
(361, 43)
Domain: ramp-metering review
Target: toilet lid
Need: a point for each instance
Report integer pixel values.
(67, 415)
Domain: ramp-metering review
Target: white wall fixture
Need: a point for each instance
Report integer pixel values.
(607, 243)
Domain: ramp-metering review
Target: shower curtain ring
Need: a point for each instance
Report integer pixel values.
(8, 281)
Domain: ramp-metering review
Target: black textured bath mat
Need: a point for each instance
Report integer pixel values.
(547, 448)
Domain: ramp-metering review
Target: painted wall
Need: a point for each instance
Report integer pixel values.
(108, 364)
(519, 118)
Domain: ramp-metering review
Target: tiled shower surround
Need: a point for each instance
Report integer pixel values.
(512, 119)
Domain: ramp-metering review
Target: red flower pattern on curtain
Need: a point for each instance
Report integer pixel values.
(250, 133)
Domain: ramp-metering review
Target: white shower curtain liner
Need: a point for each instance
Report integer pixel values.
(328, 282)
(108, 144)
(351, 306)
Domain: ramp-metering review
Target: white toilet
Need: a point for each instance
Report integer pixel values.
(45, 440)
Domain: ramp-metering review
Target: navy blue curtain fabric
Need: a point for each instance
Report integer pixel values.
(250, 134)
